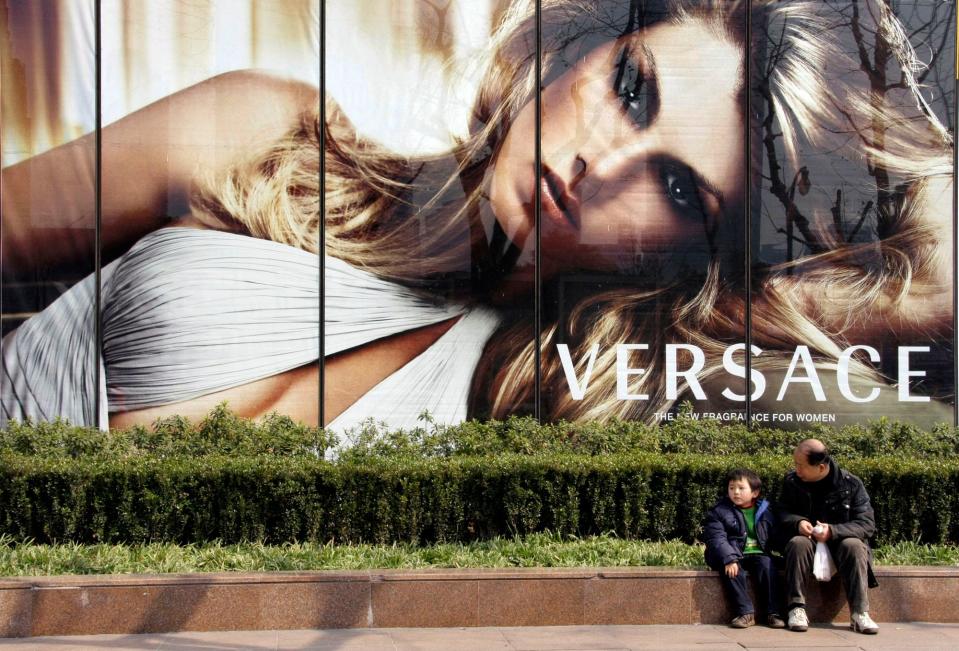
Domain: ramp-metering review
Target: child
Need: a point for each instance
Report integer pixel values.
(737, 532)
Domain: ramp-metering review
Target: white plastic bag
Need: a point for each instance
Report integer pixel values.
(823, 567)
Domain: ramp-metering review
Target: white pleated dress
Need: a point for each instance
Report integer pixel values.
(189, 312)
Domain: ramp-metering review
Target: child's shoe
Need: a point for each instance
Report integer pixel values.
(862, 623)
(743, 621)
(798, 620)
(775, 621)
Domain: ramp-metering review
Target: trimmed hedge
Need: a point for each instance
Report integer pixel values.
(234, 480)
(275, 498)
(684, 435)
(220, 433)
(223, 433)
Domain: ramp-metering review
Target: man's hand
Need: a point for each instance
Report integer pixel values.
(805, 528)
(732, 570)
(822, 532)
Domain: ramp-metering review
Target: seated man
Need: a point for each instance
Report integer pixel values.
(820, 502)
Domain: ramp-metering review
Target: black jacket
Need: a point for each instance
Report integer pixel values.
(844, 506)
(724, 532)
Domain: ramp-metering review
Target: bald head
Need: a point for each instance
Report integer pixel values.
(811, 458)
(814, 450)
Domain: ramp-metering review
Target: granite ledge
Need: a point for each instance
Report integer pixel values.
(430, 574)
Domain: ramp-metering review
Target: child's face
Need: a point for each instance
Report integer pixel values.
(741, 494)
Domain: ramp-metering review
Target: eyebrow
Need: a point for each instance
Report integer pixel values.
(709, 187)
(651, 73)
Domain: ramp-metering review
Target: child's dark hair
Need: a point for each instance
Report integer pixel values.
(755, 483)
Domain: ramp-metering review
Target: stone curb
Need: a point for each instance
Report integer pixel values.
(130, 604)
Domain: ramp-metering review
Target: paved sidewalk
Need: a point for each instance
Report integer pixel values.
(548, 638)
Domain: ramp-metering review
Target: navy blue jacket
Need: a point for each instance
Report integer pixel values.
(724, 532)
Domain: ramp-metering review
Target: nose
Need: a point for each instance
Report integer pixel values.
(579, 170)
(605, 154)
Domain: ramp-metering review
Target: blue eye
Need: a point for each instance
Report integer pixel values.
(681, 189)
(637, 96)
(632, 93)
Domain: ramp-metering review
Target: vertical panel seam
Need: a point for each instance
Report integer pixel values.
(98, 408)
(321, 367)
(747, 257)
(537, 206)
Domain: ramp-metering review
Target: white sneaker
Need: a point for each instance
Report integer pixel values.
(798, 620)
(862, 623)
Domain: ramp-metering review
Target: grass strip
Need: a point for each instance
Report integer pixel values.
(538, 550)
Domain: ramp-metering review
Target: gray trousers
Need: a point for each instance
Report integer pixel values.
(851, 556)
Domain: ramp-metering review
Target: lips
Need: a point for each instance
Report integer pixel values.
(556, 202)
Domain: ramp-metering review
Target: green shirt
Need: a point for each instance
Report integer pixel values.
(752, 544)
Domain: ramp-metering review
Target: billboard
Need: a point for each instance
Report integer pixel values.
(571, 210)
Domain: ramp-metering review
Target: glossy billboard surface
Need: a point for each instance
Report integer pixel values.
(346, 211)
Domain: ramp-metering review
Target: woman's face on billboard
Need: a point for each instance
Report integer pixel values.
(642, 151)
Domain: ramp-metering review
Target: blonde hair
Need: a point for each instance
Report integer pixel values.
(376, 219)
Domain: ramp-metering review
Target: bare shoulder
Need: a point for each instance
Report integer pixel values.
(239, 106)
(206, 126)
(261, 88)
